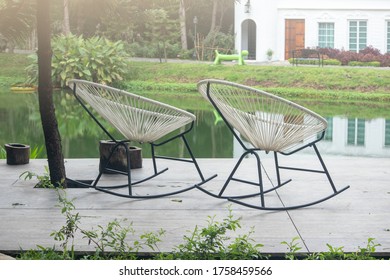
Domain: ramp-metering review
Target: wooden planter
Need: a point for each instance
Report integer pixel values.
(118, 160)
(17, 153)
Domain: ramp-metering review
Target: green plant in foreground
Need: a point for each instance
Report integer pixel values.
(67, 232)
(293, 247)
(211, 241)
(110, 242)
(43, 180)
(337, 253)
(333, 253)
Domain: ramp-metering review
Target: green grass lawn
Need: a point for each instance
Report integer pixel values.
(326, 78)
(355, 92)
(12, 69)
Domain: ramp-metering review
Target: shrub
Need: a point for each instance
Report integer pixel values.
(370, 50)
(185, 54)
(329, 52)
(67, 61)
(216, 40)
(332, 62)
(145, 49)
(369, 54)
(95, 59)
(362, 63)
(213, 243)
(142, 50)
(315, 62)
(346, 56)
(384, 60)
(308, 62)
(106, 60)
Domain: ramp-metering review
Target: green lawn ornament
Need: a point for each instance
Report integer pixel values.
(230, 57)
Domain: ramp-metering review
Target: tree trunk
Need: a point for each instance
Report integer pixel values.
(214, 16)
(65, 23)
(183, 29)
(45, 96)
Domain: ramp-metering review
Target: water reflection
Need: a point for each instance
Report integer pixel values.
(358, 137)
(210, 138)
(351, 137)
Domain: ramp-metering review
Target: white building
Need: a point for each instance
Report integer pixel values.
(285, 25)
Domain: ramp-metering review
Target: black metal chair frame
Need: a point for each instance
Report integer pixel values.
(278, 167)
(130, 183)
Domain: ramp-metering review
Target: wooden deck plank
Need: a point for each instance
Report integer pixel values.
(29, 215)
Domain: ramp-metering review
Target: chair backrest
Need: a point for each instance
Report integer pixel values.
(267, 121)
(137, 118)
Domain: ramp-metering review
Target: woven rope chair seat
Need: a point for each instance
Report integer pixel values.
(271, 124)
(137, 118)
(268, 122)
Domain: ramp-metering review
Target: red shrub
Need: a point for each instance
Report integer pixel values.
(366, 55)
(329, 52)
(370, 50)
(346, 56)
(385, 60)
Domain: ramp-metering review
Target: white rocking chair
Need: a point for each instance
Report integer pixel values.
(271, 124)
(138, 119)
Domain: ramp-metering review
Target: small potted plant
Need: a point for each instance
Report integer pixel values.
(269, 53)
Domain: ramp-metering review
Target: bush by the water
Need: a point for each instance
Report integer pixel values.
(95, 59)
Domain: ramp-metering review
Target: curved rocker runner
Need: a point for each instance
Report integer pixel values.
(138, 119)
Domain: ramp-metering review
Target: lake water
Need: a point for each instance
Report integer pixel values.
(210, 138)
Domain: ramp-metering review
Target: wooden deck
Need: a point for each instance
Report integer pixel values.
(28, 215)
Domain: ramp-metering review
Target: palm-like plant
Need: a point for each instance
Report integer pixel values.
(16, 19)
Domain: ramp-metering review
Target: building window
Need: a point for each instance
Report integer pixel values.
(356, 132)
(326, 35)
(357, 35)
(387, 133)
(388, 36)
